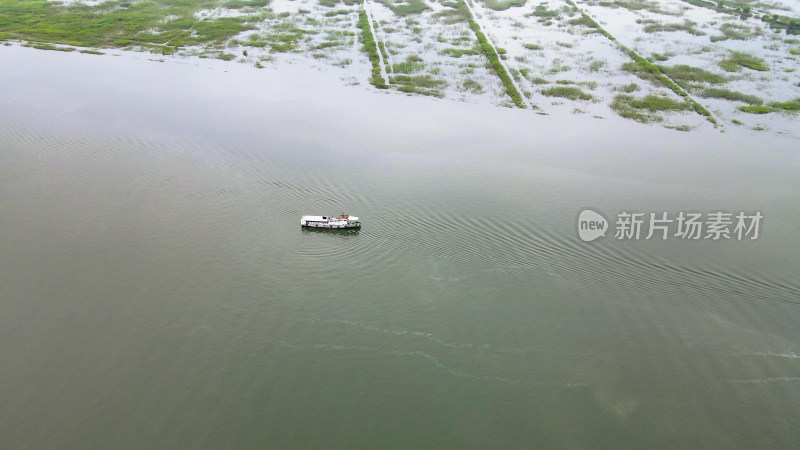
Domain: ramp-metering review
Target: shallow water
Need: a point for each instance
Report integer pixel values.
(157, 290)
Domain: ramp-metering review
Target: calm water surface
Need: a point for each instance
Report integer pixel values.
(156, 289)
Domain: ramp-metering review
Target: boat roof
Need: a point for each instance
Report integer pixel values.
(321, 218)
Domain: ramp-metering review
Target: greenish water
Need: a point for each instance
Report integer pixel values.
(156, 289)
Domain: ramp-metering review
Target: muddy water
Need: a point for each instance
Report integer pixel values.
(156, 289)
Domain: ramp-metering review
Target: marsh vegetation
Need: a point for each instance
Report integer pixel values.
(666, 61)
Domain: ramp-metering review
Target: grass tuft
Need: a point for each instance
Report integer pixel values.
(570, 92)
(646, 109)
(791, 105)
(405, 8)
(730, 95)
(500, 5)
(737, 60)
(756, 109)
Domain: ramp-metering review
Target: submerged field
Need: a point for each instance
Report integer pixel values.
(680, 63)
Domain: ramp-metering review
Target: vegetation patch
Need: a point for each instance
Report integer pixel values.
(737, 60)
(416, 90)
(558, 67)
(458, 52)
(333, 3)
(730, 95)
(791, 105)
(258, 44)
(239, 4)
(457, 14)
(644, 68)
(337, 12)
(657, 57)
(756, 109)
(501, 5)
(117, 24)
(542, 14)
(471, 86)
(638, 5)
(405, 8)
(790, 25)
(645, 72)
(596, 65)
(646, 109)
(53, 47)
(687, 26)
(683, 73)
(424, 81)
(733, 31)
(570, 92)
(412, 64)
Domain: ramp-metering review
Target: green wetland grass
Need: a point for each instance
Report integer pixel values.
(471, 86)
(791, 106)
(638, 5)
(737, 60)
(167, 26)
(412, 64)
(687, 26)
(405, 8)
(118, 24)
(543, 14)
(756, 109)
(646, 109)
(53, 47)
(502, 5)
(454, 52)
(419, 84)
(730, 95)
(733, 31)
(569, 92)
(682, 74)
(333, 3)
(645, 70)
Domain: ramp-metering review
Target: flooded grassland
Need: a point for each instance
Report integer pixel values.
(684, 64)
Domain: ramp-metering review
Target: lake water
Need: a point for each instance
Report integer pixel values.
(156, 289)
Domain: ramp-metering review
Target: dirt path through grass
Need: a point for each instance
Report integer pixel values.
(377, 43)
(525, 100)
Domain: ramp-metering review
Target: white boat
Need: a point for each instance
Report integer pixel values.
(336, 222)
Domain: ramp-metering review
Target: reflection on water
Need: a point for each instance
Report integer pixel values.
(333, 231)
(156, 290)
